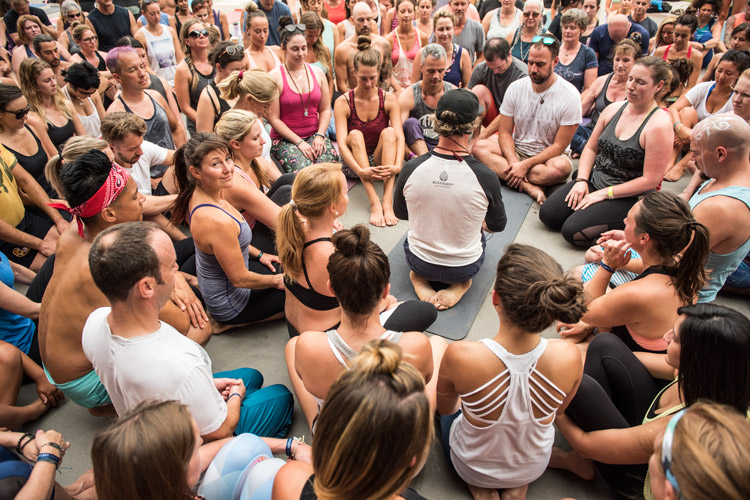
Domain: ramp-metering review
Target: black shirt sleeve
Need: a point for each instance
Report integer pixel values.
(495, 218)
(399, 202)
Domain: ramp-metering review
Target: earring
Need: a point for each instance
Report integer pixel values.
(337, 214)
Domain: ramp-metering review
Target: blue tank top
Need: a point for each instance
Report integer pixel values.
(14, 329)
(721, 265)
(223, 300)
(453, 73)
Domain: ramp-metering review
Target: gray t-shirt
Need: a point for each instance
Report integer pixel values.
(648, 24)
(471, 38)
(498, 84)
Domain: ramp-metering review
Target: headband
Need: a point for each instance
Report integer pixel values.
(104, 196)
(666, 449)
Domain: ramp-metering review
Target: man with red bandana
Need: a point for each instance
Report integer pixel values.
(101, 195)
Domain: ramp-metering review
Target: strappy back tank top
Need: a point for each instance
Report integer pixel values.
(513, 450)
(619, 160)
(372, 129)
(344, 353)
(309, 297)
(222, 299)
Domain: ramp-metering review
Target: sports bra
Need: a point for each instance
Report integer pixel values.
(308, 296)
(666, 52)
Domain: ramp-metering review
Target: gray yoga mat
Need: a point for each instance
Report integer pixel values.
(454, 323)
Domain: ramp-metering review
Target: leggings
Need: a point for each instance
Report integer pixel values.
(615, 393)
(583, 228)
(262, 304)
(409, 316)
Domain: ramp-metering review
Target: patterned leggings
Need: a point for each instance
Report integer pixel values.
(292, 159)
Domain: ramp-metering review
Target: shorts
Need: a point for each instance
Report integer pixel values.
(34, 225)
(523, 156)
(351, 174)
(443, 274)
(618, 278)
(87, 391)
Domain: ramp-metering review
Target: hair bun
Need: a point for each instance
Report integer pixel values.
(354, 241)
(284, 21)
(562, 297)
(363, 42)
(378, 357)
(251, 7)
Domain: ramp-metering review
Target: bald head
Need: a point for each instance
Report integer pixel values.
(618, 27)
(361, 9)
(725, 130)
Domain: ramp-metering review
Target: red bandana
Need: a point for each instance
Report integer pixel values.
(111, 189)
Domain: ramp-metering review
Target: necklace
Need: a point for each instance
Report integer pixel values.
(455, 153)
(309, 93)
(453, 58)
(541, 99)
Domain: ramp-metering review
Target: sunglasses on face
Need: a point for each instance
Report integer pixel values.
(232, 50)
(74, 16)
(20, 113)
(531, 14)
(198, 33)
(546, 40)
(291, 28)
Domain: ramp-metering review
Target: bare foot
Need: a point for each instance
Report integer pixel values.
(390, 217)
(421, 287)
(376, 216)
(449, 297)
(103, 411)
(675, 173)
(574, 462)
(515, 493)
(536, 193)
(219, 327)
(483, 493)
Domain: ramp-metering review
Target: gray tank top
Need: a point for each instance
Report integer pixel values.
(423, 112)
(223, 300)
(618, 161)
(157, 131)
(344, 353)
(600, 103)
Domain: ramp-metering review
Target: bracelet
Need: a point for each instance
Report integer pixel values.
(606, 267)
(319, 135)
(49, 458)
(675, 125)
(289, 447)
(610, 193)
(54, 445)
(581, 179)
(19, 448)
(300, 142)
(233, 395)
(291, 452)
(259, 256)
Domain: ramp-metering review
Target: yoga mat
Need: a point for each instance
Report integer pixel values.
(454, 323)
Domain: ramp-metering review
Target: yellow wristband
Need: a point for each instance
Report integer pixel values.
(610, 193)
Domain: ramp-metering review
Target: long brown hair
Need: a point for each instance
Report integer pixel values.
(312, 21)
(677, 238)
(145, 454)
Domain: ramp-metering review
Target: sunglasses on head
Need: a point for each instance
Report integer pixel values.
(291, 28)
(232, 50)
(84, 92)
(531, 14)
(20, 113)
(546, 40)
(198, 33)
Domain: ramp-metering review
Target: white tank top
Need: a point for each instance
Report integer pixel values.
(497, 30)
(92, 123)
(161, 53)
(513, 450)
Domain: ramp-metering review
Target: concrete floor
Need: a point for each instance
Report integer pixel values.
(262, 347)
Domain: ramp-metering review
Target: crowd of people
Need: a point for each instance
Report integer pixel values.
(166, 176)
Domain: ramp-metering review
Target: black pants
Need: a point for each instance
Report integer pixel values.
(583, 228)
(409, 316)
(263, 303)
(615, 393)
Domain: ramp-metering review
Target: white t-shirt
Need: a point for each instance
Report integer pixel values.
(161, 365)
(537, 123)
(141, 170)
(697, 97)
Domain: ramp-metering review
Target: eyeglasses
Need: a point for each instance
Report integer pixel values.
(232, 50)
(546, 40)
(20, 113)
(291, 28)
(90, 39)
(73, 16)
(198, 34)
(531, 14)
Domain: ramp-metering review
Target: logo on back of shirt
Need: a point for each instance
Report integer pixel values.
(442, 182)
(443, 176)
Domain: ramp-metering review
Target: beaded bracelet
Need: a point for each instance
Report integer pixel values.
(20, 448)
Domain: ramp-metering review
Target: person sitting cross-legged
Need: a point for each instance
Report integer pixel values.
(539, 116)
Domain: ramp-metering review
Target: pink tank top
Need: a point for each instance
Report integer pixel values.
(292, 107)
(397, 48)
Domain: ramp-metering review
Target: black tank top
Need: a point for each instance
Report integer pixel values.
(601, 102)
(35, 164)
(58, 135)
(308, 492)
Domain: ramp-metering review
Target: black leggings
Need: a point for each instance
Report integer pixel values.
(583, 228)
(615, 393)
(409, 316)
(263, 303)
(280, 193)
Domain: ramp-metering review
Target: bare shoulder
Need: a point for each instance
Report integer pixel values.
(310, 346)
(290, 480)
(157, 97)
(661, 121)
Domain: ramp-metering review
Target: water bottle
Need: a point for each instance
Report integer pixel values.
(236, 34)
